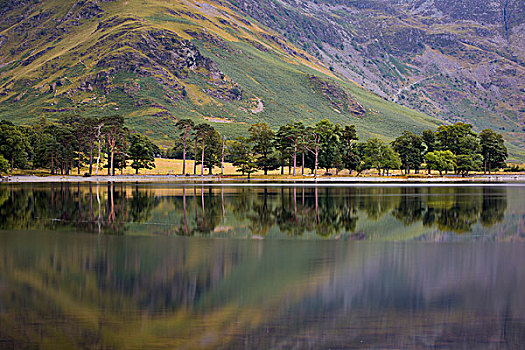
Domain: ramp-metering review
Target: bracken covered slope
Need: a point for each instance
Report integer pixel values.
(156, 61)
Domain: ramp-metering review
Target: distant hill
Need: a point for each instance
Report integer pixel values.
(233, 64)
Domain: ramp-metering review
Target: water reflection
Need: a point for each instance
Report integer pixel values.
(353, 213)
(64, 291)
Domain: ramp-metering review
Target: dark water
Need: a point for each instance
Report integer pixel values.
(79, 268)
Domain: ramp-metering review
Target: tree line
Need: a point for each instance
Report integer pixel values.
(331, 146)
(74, 142)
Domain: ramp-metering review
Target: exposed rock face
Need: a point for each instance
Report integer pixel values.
(337, 97)
(454, 59)
(166, 57)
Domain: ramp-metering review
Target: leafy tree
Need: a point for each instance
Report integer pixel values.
(66, 150)
(389, 159)
(91, 127)
(370, 152)
(77, 125)
(440, 161)
(14, 145)
(349, 148)
(429, 139)
(185, 126)
(468, 162)
(4, 164)
(312, 143)
(262, 138)
(410, 149)
(290, 136)
(141, 152)
(461, 141)
(208, 137)
(493, 150)
(458, 138)
(330, 151)
(115, 138)
(212, 154)
(242, 156)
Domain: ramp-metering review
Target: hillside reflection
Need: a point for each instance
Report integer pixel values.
(68, 291)
(354, 213)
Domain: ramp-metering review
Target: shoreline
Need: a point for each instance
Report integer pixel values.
(229, 179)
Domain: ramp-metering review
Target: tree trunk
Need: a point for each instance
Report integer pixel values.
(316, 160)
(302, 168)
(98, 158)
(222, 156)
(90, 158)
(12, 165)
(184, 154)
(294, 157)
(195, 158)
(79, 150)
(112, 158)
(202, 157)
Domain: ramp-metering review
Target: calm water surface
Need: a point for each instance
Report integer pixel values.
(208, 266)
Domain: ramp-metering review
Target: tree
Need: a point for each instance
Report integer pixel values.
(493, 150)
(389, 159)
(458, 138)
(212, 154)
(349, 148)
(262, 138)
(91, 128)
(14, 145)
(242, 156)
(77, 125)
(461, 141)
(185, 126)
(440, 161)
(205, 132)
(141, 152)
(410, 148)
(371, 154)
(312, 143)
(115, 138)
(468, 162)
(429, 139)
(330, 150)
(292, 133)
(4, 164)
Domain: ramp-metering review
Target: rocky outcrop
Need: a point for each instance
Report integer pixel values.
(338, 98)
(164, 56)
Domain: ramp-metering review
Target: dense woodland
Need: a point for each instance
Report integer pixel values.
(75, 142)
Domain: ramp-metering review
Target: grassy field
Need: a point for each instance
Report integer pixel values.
(174, 167)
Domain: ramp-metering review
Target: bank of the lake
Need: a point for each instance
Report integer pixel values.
(215, 178)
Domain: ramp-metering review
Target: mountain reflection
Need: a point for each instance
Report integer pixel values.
(66, 291)
(353, 213)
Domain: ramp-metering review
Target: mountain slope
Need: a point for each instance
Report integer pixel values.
(156, 61)
(457, 60)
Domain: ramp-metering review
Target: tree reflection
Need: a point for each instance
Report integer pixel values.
(333, 212)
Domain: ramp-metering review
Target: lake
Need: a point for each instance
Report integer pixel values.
(234, 266)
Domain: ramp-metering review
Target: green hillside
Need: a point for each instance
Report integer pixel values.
(155, 62)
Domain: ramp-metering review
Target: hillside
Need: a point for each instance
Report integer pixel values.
(461, 60)
(156, 61)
